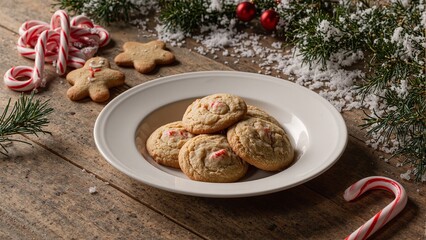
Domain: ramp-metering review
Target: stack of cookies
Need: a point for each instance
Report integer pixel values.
(218, 138)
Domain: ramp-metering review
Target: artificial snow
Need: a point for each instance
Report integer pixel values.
(215, 5)
(406, 175)
(328, 31)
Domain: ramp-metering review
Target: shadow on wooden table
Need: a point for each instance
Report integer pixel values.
(314, 210)
(287, 211)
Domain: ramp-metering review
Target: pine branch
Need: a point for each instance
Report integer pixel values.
(27, 116)
(102, 11)
(185, 15)
(320, 29)
(404, 123)
(190, 15)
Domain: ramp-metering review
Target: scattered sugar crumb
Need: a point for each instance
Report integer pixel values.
(93, 190)
(406, 175)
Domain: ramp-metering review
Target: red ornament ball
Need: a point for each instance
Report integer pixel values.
(246, 11)
(269, 19)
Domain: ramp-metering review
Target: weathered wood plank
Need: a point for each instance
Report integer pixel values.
(44, 197)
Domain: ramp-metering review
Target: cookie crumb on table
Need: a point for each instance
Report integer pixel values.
(93, 190)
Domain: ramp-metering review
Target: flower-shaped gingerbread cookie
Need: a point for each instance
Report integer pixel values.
(94, 80)
(144, 56)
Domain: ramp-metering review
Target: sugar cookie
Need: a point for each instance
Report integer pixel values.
(255, 112)
(261, 143)
(213, 113)
(209, 158)
(164, 143)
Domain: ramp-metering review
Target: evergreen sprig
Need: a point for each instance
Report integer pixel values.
(27, 116)
(190, 15)
(193, 12)
(101, 11)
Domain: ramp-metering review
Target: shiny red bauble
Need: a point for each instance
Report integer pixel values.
(246, 11)
(269, 19)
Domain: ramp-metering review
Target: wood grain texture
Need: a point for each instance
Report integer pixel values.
(45, 186)
(44, 197)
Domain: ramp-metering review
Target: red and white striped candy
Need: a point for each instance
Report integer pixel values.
(35, 74)
(60, 23)
(383, 216)
(65, 43)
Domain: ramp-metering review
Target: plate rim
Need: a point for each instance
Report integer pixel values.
(101, 119)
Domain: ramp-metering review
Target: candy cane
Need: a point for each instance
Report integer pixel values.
(60, 22)
(383, 216)
(65, 43)
(36, 74)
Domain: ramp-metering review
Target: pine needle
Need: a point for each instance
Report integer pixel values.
(26, 116)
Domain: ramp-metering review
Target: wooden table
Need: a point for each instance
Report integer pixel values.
(44, 187)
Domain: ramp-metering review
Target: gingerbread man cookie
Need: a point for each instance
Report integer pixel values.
(144, 56)
(94, 80)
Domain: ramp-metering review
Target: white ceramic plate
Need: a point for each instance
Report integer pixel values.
(315, 127)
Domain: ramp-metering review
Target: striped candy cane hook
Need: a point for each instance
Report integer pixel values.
(35, 74)
(60, 20)
(383, 216)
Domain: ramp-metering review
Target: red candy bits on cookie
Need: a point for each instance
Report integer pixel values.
(209, 158)
(165, 142)
(231, 136)
(213, 113)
